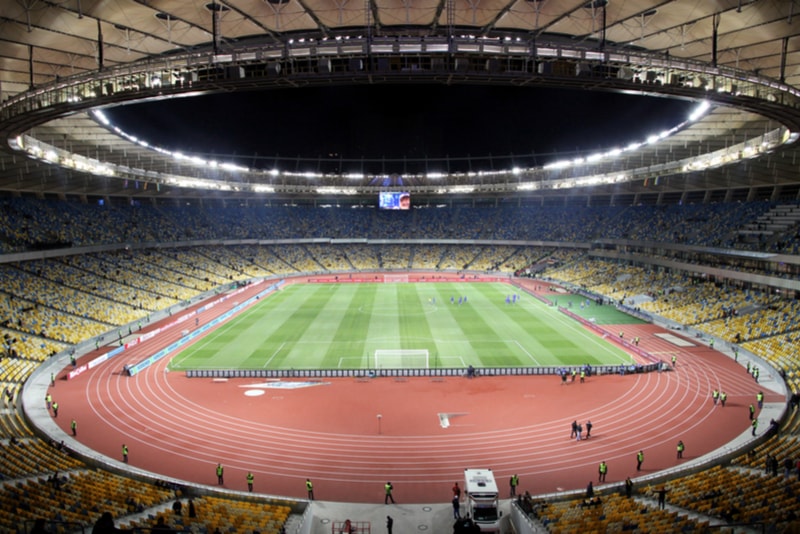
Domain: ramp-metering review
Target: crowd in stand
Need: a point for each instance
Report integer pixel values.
(29, 224)
(760, 321)
(51, 304)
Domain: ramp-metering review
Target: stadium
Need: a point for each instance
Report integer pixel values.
(343, 324)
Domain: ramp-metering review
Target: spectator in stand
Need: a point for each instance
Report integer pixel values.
(105, 525)
(161, 526)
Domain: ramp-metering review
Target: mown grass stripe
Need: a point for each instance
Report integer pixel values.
(308, 326)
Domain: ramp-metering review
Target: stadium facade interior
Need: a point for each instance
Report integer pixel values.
(711, 206)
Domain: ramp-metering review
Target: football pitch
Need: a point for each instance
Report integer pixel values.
(444, 325)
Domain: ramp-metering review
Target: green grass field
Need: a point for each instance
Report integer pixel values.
(331, 326)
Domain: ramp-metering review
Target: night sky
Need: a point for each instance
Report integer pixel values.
(399, 121)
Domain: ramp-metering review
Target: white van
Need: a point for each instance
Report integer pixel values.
(482, 499)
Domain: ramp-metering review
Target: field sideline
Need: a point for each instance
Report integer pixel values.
(332, 326)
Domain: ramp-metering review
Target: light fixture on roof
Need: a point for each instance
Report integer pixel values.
(219, 8)
(699, 111)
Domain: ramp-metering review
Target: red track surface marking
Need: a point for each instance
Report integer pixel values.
(182, 427)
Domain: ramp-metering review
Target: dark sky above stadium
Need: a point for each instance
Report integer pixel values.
(399, 121)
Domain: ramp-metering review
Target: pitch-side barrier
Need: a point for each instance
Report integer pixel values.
(431, 372)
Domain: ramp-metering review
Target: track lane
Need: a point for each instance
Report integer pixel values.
(182, 427)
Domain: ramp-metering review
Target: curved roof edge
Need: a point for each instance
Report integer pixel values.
(465, 60)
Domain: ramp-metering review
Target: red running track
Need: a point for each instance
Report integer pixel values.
(330, 432)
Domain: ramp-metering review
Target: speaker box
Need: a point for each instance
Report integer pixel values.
(234, 73)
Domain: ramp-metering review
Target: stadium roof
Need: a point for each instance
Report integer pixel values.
(45, 43)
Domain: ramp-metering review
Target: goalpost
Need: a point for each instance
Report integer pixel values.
(395, 278)
(402, 359)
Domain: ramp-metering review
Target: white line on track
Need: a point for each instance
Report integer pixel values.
(656, 409)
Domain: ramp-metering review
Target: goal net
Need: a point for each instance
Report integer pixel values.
(394, 278)
(402, 359)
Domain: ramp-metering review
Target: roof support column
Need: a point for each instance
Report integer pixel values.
(30, 66)
(214, 28)
(784, 52)
(99, 45)
(603, 35)
(715, 22)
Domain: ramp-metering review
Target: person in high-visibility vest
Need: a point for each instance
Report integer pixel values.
(639, 460)
(74, 426)
(250, 478)
(388, 493)
(760, 399)
(681, 447)
(220, 471)
(602, 470)
(310, 489)
(124, 453)
(513, 483)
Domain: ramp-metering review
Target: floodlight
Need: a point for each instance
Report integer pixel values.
(557, 164)
(699, 111)
(462, 189)
(101, 117)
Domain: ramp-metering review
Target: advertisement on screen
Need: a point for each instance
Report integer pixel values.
(394, 201)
